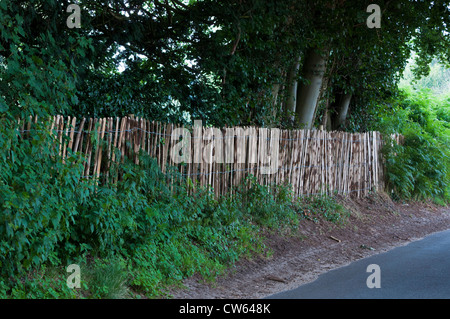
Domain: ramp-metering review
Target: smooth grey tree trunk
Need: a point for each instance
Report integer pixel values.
(291, 95)
(308, 93)
(342, 109)
(275, 90)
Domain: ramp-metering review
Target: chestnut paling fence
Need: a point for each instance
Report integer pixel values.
(311, 161)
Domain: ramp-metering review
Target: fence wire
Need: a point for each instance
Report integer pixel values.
(195, 137)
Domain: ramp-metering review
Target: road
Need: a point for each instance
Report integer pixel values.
(418, 270)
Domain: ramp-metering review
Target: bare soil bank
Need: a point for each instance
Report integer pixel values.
(376, 224)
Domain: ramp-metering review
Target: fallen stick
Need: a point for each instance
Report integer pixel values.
(334, 238)
(274, 278)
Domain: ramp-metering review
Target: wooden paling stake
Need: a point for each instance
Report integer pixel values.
(79, 135)
(88, 148)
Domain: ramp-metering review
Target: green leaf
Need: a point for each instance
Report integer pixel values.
(36, 260)
(37, 60)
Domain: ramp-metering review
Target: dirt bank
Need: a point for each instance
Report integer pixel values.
(376, 224)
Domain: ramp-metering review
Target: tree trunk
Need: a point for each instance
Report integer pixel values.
(342, 111)
(291, 97)
(275, 90)
(308, 93)
(328, 122)
(233, 50)
(326, 119)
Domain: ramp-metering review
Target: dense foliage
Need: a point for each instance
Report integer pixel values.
(225, 62)
(418, 166)
(157, 235)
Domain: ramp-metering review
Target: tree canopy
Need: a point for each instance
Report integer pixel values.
(235, 62)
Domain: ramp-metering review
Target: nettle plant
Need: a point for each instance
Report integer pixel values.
(40, 194)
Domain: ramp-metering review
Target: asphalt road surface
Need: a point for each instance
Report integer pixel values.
(418, 270)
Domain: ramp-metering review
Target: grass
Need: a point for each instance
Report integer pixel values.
(323, 206)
